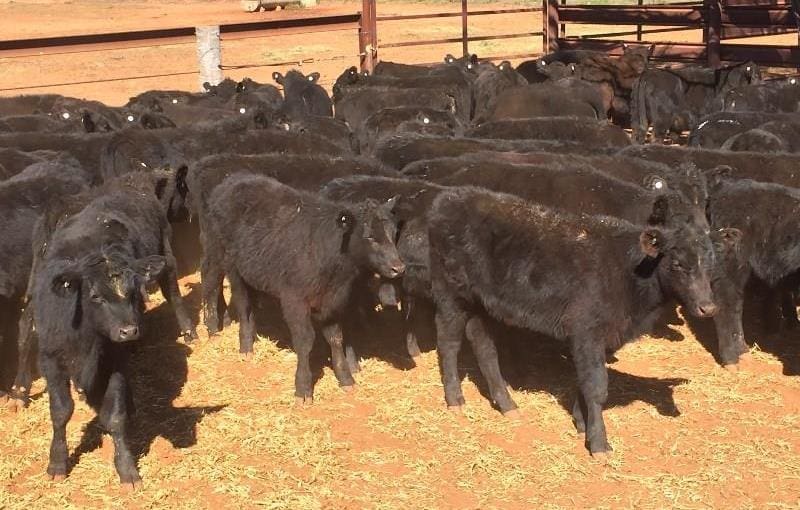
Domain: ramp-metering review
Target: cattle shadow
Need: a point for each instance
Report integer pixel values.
(762, 324)
(157, 372)
(531, 362)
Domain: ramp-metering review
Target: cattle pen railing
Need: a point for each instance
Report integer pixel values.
(719, 20)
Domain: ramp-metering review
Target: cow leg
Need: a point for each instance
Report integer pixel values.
(589, 356)
(212, 275)
(352, 359)
(333, 335)
(411, 337)
(113, 417)
(303, 334)
(61, 407)
(579, 413)
(27, 347)
(450, 325)
(486, 352)
(168, 281)
(728, 322)
(240, 295)
(789, 309)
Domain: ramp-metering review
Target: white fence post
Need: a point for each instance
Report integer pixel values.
(208, 55)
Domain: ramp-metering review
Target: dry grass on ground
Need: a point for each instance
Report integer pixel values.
(214, 432)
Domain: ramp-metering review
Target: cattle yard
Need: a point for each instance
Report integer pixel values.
(213, 430)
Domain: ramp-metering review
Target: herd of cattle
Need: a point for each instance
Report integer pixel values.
(489, 193)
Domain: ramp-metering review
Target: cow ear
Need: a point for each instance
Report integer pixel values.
(313, 77)
(660, 211)
(655, 182)
(346, 221)
(150, 267)
(624, 47)
(449, 59)
(240, 87)
(651, 50)
(726, 238)
(352, 70)
(66, 283)
(278, 77)
(474, 59)
(651, 242)
(541, 64)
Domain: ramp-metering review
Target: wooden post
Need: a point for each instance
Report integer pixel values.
(639, 26)
(713, 32)
(550, 26)
(208, 55)
(368, 36)
(464, 36)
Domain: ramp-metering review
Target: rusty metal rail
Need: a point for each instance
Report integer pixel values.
(180, 35)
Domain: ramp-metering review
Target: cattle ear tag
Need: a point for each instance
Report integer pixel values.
(242, 110)
(174, 101)
(793, 81)
(748, 69)
(426, 120)
(65, 115)
(130, 118)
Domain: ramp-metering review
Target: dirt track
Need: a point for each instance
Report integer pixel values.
(215, 432)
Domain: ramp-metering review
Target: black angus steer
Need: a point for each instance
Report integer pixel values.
(580, 189)
(674, 100)
(306, 251)
(768, 250)
(716, 129)
(88, 300)
(304, 172)
(303, 95)
(594, 281)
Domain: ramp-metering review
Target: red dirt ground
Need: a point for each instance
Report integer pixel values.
(215, 432)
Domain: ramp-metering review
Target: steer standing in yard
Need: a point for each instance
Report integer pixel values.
(596, 281)
(306, 251)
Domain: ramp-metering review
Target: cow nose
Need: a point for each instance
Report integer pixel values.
(127, 333)
(707, 310)
(397, 269)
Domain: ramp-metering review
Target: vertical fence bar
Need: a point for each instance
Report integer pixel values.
(367, 36)
(209, 56)
(550, 26)
(464, 29)
(563, 32)
(713, 28)
(639, 26)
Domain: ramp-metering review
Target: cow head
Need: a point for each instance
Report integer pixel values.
(108, 292)
(369, 236)
(682, 260)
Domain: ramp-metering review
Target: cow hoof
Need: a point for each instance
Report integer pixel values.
(133, 486)
(513, 414)
(601, 457)
(246, 356)
(303, 401)
(456, 410)
(349, 389)
(58, 478)
(732, 367)
(16, 404)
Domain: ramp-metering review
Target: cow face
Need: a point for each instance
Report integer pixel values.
(370, 237)
(109, 292)
(683, 260)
